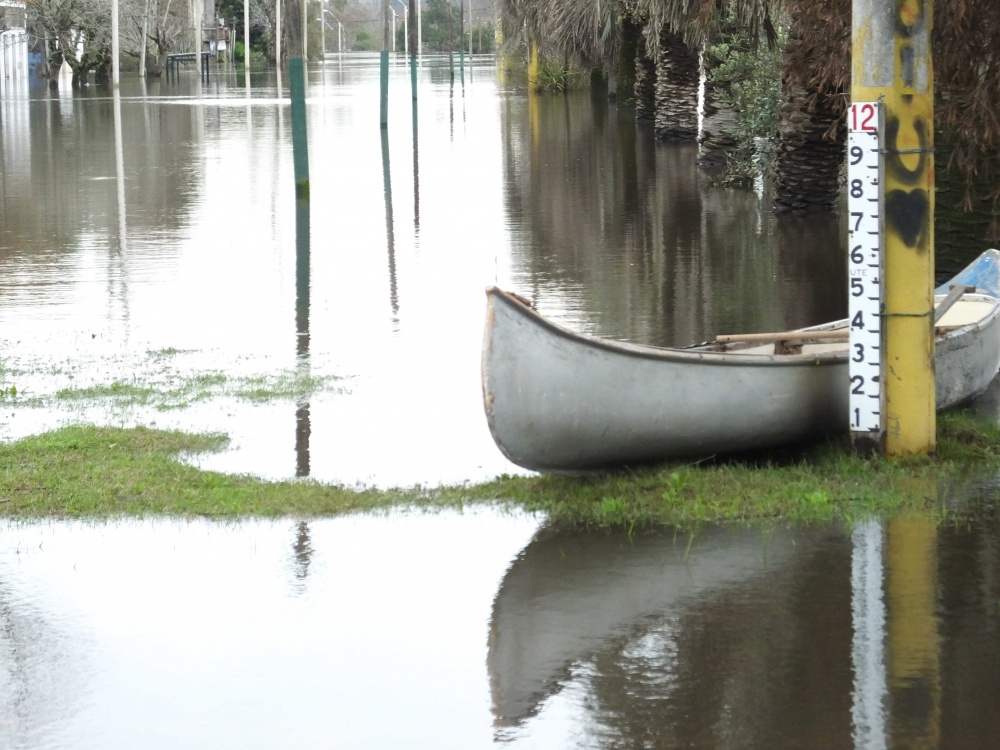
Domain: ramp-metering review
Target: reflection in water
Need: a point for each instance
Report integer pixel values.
(727, 638)
(120, 253)
(390, 232)
(120, 172)
(303, 427)
(867, 652)
(416, 160)
(302, 549)
(913, 643)
(259, 634)
(44, 672)
(737, 639)
(571, 596)
(619, 236)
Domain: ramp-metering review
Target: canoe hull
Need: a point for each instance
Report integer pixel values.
(561, 402)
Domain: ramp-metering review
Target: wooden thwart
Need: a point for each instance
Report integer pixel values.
(955, 293)
(834, 334)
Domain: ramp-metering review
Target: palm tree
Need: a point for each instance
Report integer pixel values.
(814, 87)
(815, 82)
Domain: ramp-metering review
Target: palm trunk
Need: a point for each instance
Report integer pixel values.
(811, 134)
(677, 80)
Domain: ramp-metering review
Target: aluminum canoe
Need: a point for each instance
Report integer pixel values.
(560, 401)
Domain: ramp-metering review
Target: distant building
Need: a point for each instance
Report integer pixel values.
(13, 41)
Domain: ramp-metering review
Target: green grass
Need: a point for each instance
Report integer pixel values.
(100, 472)
(167, 389)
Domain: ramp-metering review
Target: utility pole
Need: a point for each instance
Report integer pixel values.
(891, 59)
(246, 47)
(115, 49)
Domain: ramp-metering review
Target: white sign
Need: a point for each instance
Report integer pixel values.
(864, 265)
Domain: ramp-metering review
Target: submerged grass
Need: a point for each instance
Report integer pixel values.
(171, 390)
(97, 471)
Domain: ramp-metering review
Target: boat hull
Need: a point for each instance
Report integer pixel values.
(558, 401)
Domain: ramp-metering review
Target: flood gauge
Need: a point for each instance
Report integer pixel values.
(865, 267)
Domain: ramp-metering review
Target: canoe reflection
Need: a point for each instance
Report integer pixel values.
(568, 596)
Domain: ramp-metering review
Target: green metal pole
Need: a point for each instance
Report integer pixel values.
(891, 58)
(384, 81)
(384, 67)
(300, 147)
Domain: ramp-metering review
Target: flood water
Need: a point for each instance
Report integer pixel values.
(184, 257)
(154, 239)
(476, 630)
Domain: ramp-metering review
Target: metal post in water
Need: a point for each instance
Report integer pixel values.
(413, 78)
(300, 149)
(277, 36)
(322, 31)
(246, 44)
(305, 29)
(384, 68)
(420, 29)
(891, 59)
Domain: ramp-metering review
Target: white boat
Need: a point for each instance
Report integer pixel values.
(561, 401)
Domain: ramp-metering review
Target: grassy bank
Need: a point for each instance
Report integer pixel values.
(105, 472)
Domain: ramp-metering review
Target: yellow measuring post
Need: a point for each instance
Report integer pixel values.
(891, 58)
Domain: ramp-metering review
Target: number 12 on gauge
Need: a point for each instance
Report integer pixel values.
(864, 266)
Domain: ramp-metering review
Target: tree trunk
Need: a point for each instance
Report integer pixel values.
(807, 158)
(811, 133)
(677, 81)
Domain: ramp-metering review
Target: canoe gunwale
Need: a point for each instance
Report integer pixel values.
(689, 355)
(703, 352)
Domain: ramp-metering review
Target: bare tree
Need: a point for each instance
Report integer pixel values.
(79, 32)
(153, 26)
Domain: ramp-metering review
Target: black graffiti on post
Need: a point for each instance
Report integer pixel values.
(910, 17)
(907, 213)
(894, 165)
